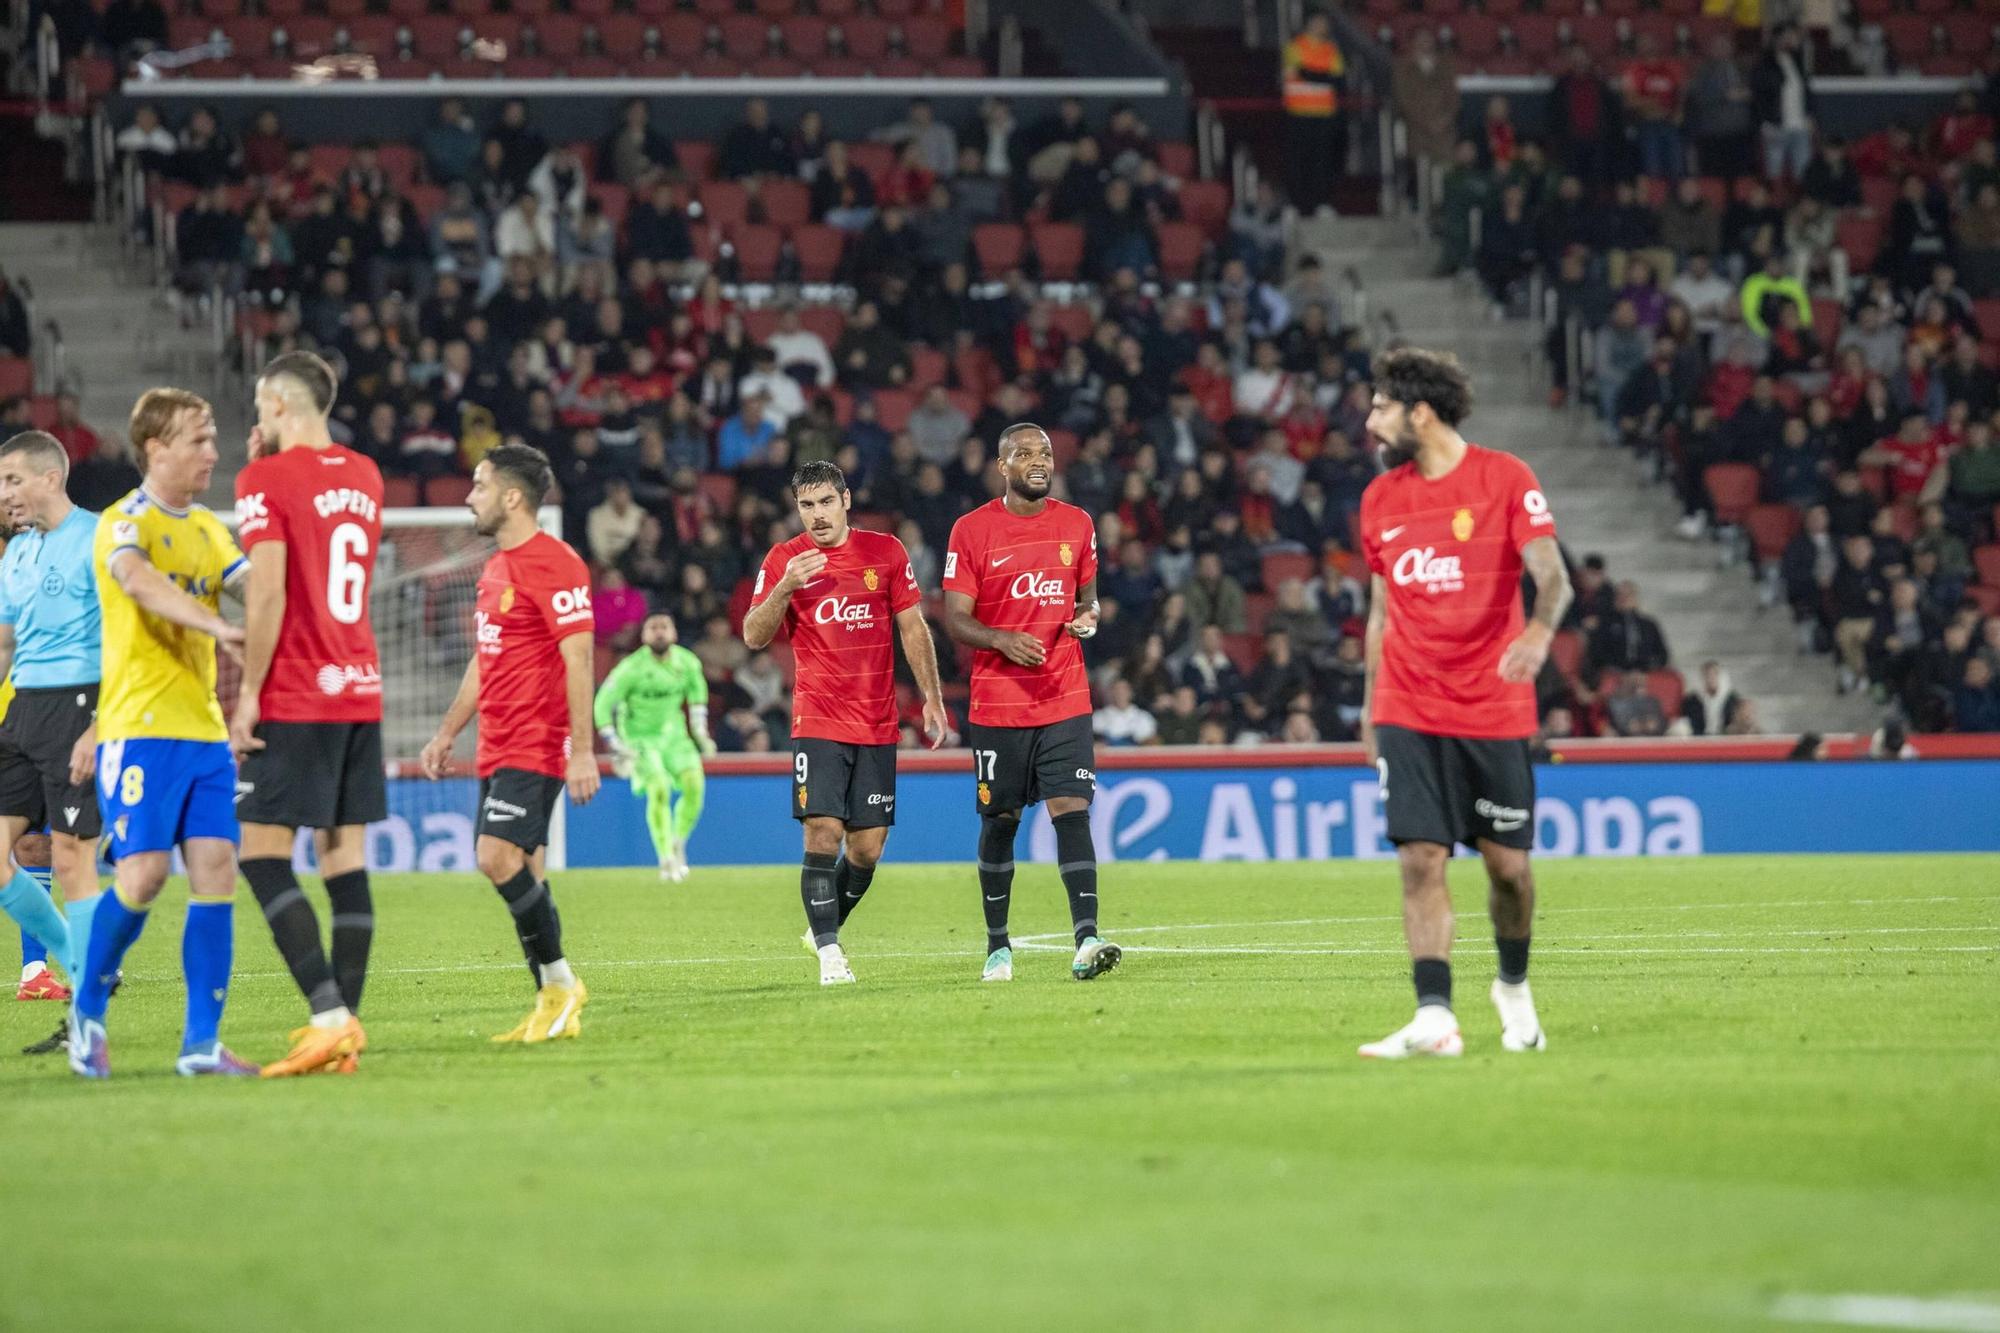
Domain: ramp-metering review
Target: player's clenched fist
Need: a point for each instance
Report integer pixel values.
(436, 757)
(802, 569)
(1022, 649)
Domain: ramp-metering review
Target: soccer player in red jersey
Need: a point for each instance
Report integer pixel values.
(1447, 529)
(533, 623)
(835, 590)
(1020, 587)
(308, 721)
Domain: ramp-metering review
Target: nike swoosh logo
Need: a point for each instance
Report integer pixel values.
(1001, 899)
(822, 902)
(1390, 534)
(1507, 825)
(493, 818)
(1001, 560)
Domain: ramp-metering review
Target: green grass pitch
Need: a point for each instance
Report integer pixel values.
(1767, 1077)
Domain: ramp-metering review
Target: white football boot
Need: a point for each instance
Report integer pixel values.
(833, 968)
(1520, 1029)
(1434, 1031)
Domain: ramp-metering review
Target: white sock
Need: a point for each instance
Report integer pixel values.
(30, 971)
(333, 1018)
(1436, 1014)
(830, 950)
(558, 973)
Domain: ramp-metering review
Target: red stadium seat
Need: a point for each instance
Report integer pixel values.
(866, 38)
(804, 37)
(929, 366)
(1826, 321)
(926, 38)
(976, 370)
(401, 493)
(839, 67)
(1066, 445)
(959, 67)
(999, 246)
(1277, 566)
(1177, 159)
(787, 203)
(895, 9)
(893, 408)
(1245, 650)
(758, 249)
(720, 488)
(760, 323)
(1478, 35)
(1257, 608)
(697, 158)
(593, 67)
(825, 320)
(1986, 559)
(622, 35)
(1074, 322)
(1566, 651)
(17, 376)
(1181, 244)
(873, 160)
(435, 35)
(776, 67)
(1771, 528)
(1667, 687)
(724, 204)
(745, 36)
(614, 199)
(1206, 205)
(1861, 237)
(1534, 34)
(425, 199)
(440, 492)
(328, 160)
(818, 250)
(1059, 248)
(1987, 313)
(1732, 489)
(774, 9)
(837, 9)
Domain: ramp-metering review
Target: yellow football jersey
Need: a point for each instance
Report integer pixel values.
(159, 677)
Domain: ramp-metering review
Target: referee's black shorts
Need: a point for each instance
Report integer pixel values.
(1449, 790)
(40, 731)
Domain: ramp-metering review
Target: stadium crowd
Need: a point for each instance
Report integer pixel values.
(1799, 334)
(485, 284)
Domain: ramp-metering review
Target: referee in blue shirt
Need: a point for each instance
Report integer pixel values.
(50, 639)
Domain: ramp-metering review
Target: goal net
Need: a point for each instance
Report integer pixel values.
(426, 584)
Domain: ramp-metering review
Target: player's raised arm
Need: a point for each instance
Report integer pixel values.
(767, 609)
(578, 682)
(437, 752)
(1523, 658)
(1378, 620)
(263, 614)
(157, 596)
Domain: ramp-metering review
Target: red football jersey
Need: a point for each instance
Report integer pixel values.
(1024, 574)
(841, 627)
(530, 599)
(1449, 552)
(325, 505)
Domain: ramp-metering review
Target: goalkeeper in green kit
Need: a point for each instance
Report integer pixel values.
(653, 710)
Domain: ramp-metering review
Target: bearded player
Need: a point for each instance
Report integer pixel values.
(1447, 529)
(529, 682)
(1020, 588)
(307, 728)
(653, 712)
(836, 590)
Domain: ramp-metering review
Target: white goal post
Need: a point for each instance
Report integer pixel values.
(426, 583)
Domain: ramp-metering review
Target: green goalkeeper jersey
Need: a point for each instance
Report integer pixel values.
(646, 697)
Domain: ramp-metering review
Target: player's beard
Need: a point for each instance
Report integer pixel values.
(1394, 453)
(1027, 490)
(487, 524)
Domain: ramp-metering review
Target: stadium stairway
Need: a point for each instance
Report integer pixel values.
(1602, 502)
(119, 332)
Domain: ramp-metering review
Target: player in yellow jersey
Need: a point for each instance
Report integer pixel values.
(165, 775)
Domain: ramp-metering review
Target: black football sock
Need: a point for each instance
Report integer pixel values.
(850, 882)
(533, 906)
(1513, 959)
(294, 928)
(1076, 862)
(822, 903)
(353, 933)
(1433, 977)
(996, 876)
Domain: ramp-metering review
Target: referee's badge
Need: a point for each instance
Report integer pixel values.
(1461, 525)
(869, 580)
(506, 600)
(1066, 553)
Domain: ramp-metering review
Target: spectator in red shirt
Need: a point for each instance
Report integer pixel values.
(1955, 132)
(1911, 455)
(1653, 85)
(647, 385)
(1587, 130)
(78, 439)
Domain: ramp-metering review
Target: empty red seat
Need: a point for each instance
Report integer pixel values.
(682, 36)
(1566, 651)
(893, 408)
(622, 35)
(1986, 559)
(1059, 249)
(959, 67)
(1987, 312)
(825, 320)
(787, 203)
(818, 250)
(757, 252)
(1277, 566)
(401, 493)
(559, 35)
(1177, 159)
(804, 36)
(926, 37)
(866, 38)
(1206, 205)
(1732, 489)
(745, 36)
(444, 491)
(1667, 687)
(697, 158)
(724, 204)
(999, 246)
(976, 370)
(1861, 237)
(1181, 244)
(17, 376)
(720, 488)
(1074, 322)
(1771, 528)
